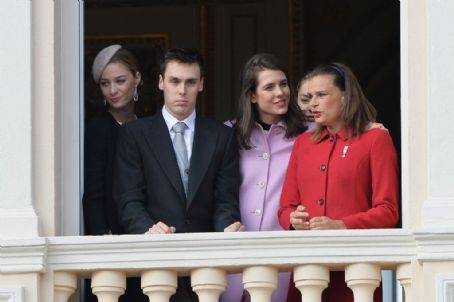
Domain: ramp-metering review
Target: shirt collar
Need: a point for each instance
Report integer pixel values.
(171, 120)
(280, 124)
(342, 134)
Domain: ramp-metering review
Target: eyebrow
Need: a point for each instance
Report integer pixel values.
(321, 91)
(180, 79)
(115, 78)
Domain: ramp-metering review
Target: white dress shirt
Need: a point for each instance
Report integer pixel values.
(188, 133)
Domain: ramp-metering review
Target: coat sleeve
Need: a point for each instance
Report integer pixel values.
(129, 184)
(290, 195)
(226, 192)
(384, 211)
(95, 165)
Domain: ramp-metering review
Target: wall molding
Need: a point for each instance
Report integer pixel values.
(233, 251)
(435, 244)
(445, 287)
(22, 255)
(15, 294)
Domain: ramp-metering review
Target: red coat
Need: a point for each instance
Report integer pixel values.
(352, 179)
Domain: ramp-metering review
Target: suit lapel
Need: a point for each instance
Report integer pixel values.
(203, 148)
(158, 139)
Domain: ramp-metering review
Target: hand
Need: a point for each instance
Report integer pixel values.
(375, 126)
(325, 223)
(235, 227)
(161, 228)
(298, 218)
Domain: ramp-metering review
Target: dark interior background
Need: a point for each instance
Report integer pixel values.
(303, 33)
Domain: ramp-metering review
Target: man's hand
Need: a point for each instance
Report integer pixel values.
(298, 218)
(161, 228)
(235, 227)
(325, 223)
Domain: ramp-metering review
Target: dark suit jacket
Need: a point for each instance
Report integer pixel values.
(148, 186)
(100, 215)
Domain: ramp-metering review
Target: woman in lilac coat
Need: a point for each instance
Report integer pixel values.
(267, 122)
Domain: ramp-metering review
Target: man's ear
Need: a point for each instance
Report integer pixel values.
(201, 84)
(161, 83)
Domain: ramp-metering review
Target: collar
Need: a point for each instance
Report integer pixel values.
(171, 120)
(342, 134)
(280, 124)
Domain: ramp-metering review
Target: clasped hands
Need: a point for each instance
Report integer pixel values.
(298, 220)
(162, 228)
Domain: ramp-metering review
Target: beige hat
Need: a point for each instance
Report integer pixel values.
(102, 59)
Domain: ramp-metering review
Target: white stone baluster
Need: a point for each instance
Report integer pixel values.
(311, 280)
(65, 284)
(208, 283)
(260, 282)
(159, 285)
(363, 279)
(108, 286)
(403, 274)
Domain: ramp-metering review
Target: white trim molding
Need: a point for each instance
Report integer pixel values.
(231, 250)
(445, 287)
(15, 294)
(22, 256)
(435, 244)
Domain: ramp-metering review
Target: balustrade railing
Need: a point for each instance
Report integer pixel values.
(208, 257)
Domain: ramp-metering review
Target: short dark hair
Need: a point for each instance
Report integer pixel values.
(182, 55)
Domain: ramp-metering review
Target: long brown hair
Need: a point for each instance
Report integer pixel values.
(357, 111)
(247, 111)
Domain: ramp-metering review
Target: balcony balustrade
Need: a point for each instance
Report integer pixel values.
(208, 257)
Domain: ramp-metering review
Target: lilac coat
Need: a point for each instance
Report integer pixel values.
(263, 169)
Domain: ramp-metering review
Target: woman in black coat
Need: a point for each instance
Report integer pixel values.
(116, 72)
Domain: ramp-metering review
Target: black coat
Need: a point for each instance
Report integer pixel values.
(148, 186)
(100, 215)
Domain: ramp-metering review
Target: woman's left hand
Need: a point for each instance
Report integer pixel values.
(325, 223)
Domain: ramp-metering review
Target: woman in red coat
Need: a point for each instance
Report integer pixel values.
(339, 176)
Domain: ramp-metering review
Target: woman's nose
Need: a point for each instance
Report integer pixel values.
(313, 101)
(113, 89)
(279, 91)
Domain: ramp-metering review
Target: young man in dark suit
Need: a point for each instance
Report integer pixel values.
(178, 179)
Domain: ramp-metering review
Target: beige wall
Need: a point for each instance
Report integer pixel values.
(29, 282)
(414, 110)
(432, 273)
(44, 162)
